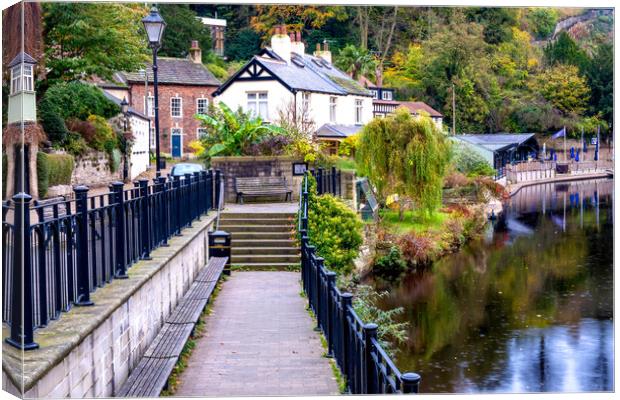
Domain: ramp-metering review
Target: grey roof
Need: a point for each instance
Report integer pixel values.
(304, 73)
(21, 56)
(495, 141)
(130, 110)
(181, 71)
(338, 131)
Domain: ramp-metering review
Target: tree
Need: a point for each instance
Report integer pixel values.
(243, 44)
(356, 61)
(182, 26)
(497, 22)
(79, 100)
(542, 20)
(566, 51)
(601, 79)
(405, 155)
(564, 88)
(87, 39)
(295, 17)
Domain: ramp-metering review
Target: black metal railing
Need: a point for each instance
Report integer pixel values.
(327, 181)
(78, 245)
(366, 366)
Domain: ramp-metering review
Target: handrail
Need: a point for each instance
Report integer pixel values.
(70, 254)
(359, 355)
(220, 202)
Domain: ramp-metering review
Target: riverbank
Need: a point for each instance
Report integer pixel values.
(513, 189)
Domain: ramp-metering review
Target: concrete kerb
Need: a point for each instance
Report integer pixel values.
(61, 336)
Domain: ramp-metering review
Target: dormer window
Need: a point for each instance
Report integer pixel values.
(386, 95)
(22, 78)
(374, 93)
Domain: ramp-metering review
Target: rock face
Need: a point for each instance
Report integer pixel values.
(93, 169)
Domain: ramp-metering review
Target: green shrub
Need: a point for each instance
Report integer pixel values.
(43, 172)
(115, 160)
(103, 138)
(75, 144)
(52, 122)
(470, 163)
(347, 147)
(79, 100)
(334, 229)
(391, 266)
(60, 169)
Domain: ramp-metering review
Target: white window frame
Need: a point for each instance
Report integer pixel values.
(180, 107)
(256, 101)
(152, 143)
(22, 78)
(149, 106)
(305, 101)
(375, 93)
(198, 130)
(333, 104)
(359, 108)
(386, 95)
(206, 107)
(172, 134)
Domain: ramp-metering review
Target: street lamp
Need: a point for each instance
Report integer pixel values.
(154, 26)
(125, 111)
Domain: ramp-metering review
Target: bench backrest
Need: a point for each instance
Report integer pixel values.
(263, 182)
(46, 207)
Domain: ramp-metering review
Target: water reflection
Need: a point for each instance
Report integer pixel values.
(528, 307)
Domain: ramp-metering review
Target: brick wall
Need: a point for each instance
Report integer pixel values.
(187, 122)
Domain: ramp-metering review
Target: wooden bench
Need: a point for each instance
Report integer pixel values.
(262, 186)
(45, 208)
(150, 376)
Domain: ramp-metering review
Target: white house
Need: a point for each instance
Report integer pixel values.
(140, 127)
(284, 79)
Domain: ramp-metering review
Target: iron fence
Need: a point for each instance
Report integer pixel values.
(80, 244)
(354, 345)
(327, 181)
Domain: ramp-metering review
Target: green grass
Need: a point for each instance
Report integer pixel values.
(413, 221)
(345, 164)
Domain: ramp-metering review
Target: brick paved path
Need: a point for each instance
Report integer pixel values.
(259, 340)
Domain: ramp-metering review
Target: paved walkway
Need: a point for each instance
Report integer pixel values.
(258, 341)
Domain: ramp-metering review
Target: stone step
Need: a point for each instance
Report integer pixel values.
(261, 236)
(226, 215)
(263, 259)
(262, 242)
(257, 228)
(271, 251)
(257, 221)
(277, 266)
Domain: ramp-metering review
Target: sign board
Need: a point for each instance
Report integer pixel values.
(366, 199)
(299, 168)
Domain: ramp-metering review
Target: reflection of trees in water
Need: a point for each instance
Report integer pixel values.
(466, 309)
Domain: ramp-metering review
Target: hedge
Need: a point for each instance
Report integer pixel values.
(52, 170)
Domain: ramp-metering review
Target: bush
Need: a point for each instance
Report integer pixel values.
(79, 100)
(75, 144)
(43, 172)
(60, 169)
(85, 128)
(391, 266)
(334, 229)
(104, 138)
(347, 147)
(470, 163)
(417, 249)
(52, 122)
(269, 146)
(455, 179)
(115, 160)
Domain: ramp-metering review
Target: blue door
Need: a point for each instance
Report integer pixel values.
(176, 145)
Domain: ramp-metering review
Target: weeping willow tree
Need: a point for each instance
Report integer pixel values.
(405, 155)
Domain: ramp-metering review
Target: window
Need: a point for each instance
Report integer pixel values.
(386, 95)
(374, 93)
(21, 78)
(202, 106)
(305, 101)
(176, 107)
(257, 104)
(358, 111)
(149, 107)
(200, 132)
(332, 109)
(152, 137)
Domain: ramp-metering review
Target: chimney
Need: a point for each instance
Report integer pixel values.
(195, 54)
(281, 43)
(325, 54)
(297, 46)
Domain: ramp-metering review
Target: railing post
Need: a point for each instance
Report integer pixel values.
(164, 204)
(347, 301)
(81, 208)
(370, 332)
(176, 186)
(319, 181)
(200, 199)
(121, 251)
(318, 293)
(310, 249)
(189, 199)
(22, 329)
(331, 284)
(304, 263)
(333, 178)
(145, 220)
(411, 382)
(218, 178)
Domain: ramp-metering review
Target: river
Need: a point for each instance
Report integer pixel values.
(528, 307)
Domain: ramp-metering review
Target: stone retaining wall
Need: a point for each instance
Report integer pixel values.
(90, 351)
(93, 169)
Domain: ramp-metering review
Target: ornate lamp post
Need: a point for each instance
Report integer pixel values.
(154, 26)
